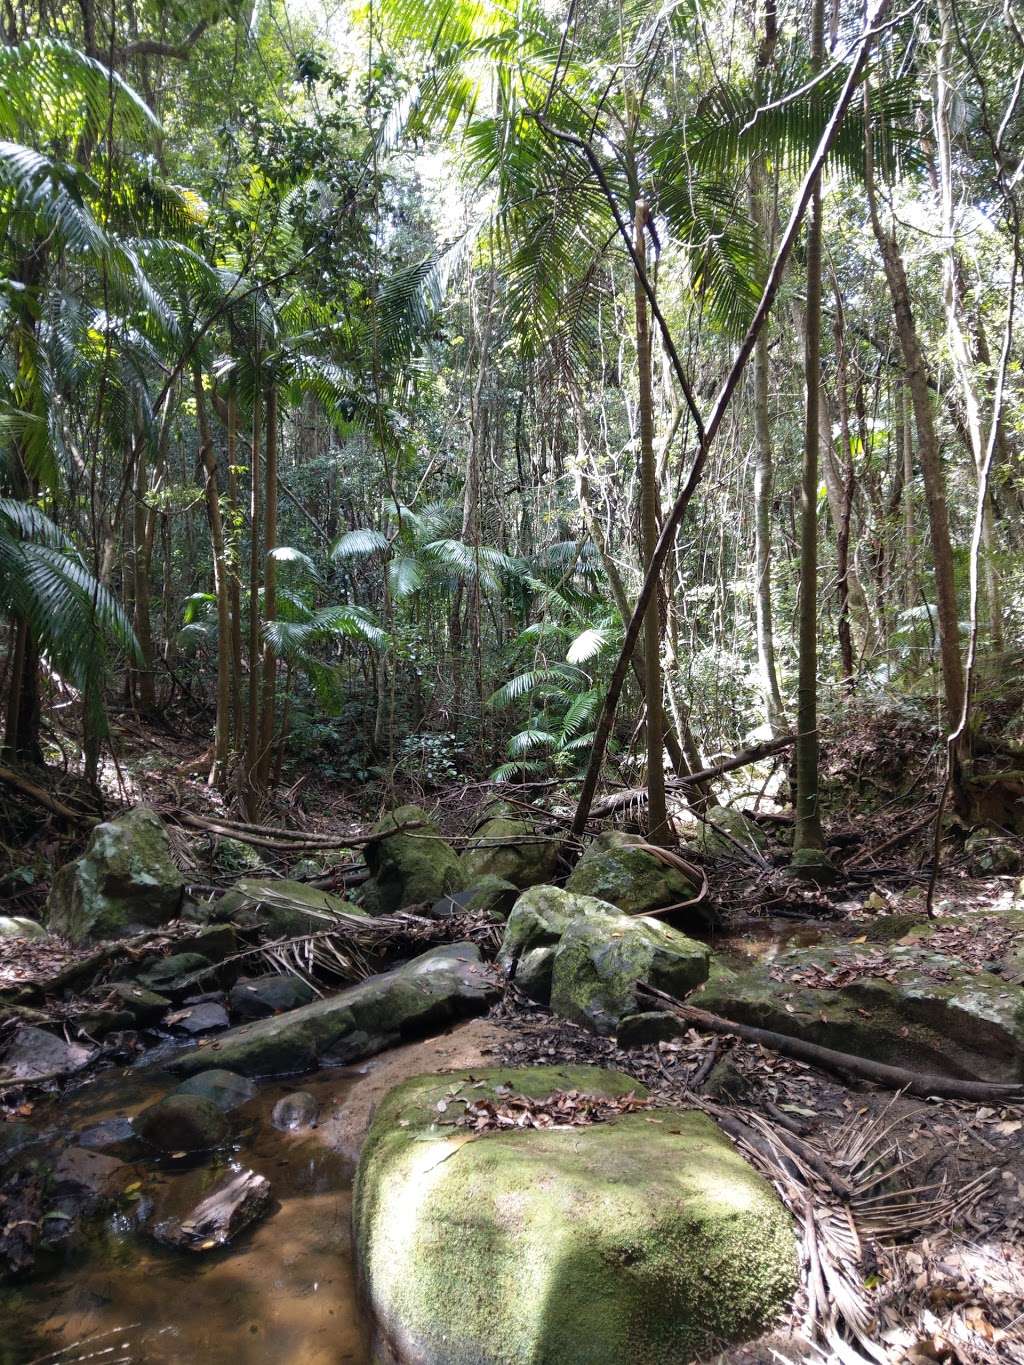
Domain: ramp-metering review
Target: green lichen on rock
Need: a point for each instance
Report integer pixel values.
(616, 1244)
(600, 959)
(744, 830)
(284, 908)
(447, 983)
(411, 867)
(125, 879)
(513, 850)
(629, 878)
(906, 1005)
(535, 927)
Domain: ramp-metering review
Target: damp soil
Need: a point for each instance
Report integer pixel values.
(283, 1291)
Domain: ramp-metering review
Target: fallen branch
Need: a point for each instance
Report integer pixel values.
(288, 841)
(894, 1077)
(44, 799)
(897, 838)
(609, 804)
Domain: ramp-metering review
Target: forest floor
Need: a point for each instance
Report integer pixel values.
(935, 1187)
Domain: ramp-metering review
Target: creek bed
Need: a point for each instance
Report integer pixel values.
(283, 1290)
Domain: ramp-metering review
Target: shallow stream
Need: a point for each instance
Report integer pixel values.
(283, 1291)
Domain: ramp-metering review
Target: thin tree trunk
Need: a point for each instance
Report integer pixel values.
(808, 836)
(250, 787)
(843, 529)
(269, 593)
(657, 814)
(234, 589)
(928, 451)
(218, 770)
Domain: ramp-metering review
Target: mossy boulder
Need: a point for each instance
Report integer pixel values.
(283, 908)
(625, 1243)
(739, 826)
(535, 927)
(19, 926)
(513, 850)
(447, 983)
(990, 856)
(493, 895)
(124, 881)
(187, 1123)
(411, 867)
(905, 1004)
(225, 1089)
(600, 960)
(631, 879)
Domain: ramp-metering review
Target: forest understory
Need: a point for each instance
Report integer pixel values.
(910, 1210)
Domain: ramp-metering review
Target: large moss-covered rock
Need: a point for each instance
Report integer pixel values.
(630, 878)
(450, 982)
(600, 960)
(535, 927)
(19, 926)
(125, 880)
(285, 909)
(513, 850)
(739, 826)
(906, 1004)
(630, 1243)
(409, 868)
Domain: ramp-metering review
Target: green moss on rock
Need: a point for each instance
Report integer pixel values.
(538, 920)
(631, 879)
(600, 959)
(625, 1243)
(125, 879)
(513, 850)
(410, 868)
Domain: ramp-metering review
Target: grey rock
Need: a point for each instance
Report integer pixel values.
(175, 974)
(19, 926)
(256, 997)
(196, 1019)
(226, 1089)
(513, 850)
(189, 1123)
(125, 879)
(650, 1026)
(296, 1111)
(114, 1132)
(35, 1053)
(538, 920)
(600, 960)
(410, 868)
(446, 983)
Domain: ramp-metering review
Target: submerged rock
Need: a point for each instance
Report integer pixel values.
(446, 983)
(125, 880)
(238, 1200)
(513, 850)
(296, 1111)
(905, 1004)
(600, 960)
(410, 868)
(226, 1089)
(187, 1123)
(616, 1244)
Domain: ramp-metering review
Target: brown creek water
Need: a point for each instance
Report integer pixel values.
(283, 1291)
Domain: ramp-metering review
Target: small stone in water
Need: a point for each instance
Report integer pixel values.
(298, 1110)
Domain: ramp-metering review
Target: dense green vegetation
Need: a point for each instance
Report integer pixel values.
(353, 362)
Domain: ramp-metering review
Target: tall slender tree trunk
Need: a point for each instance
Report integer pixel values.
(269, 593)
(207, 454)
(929, 455)
(250, 788)
(846, 514)
(234, 588)
(953, 292)
(657, 814)
(808, 836)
